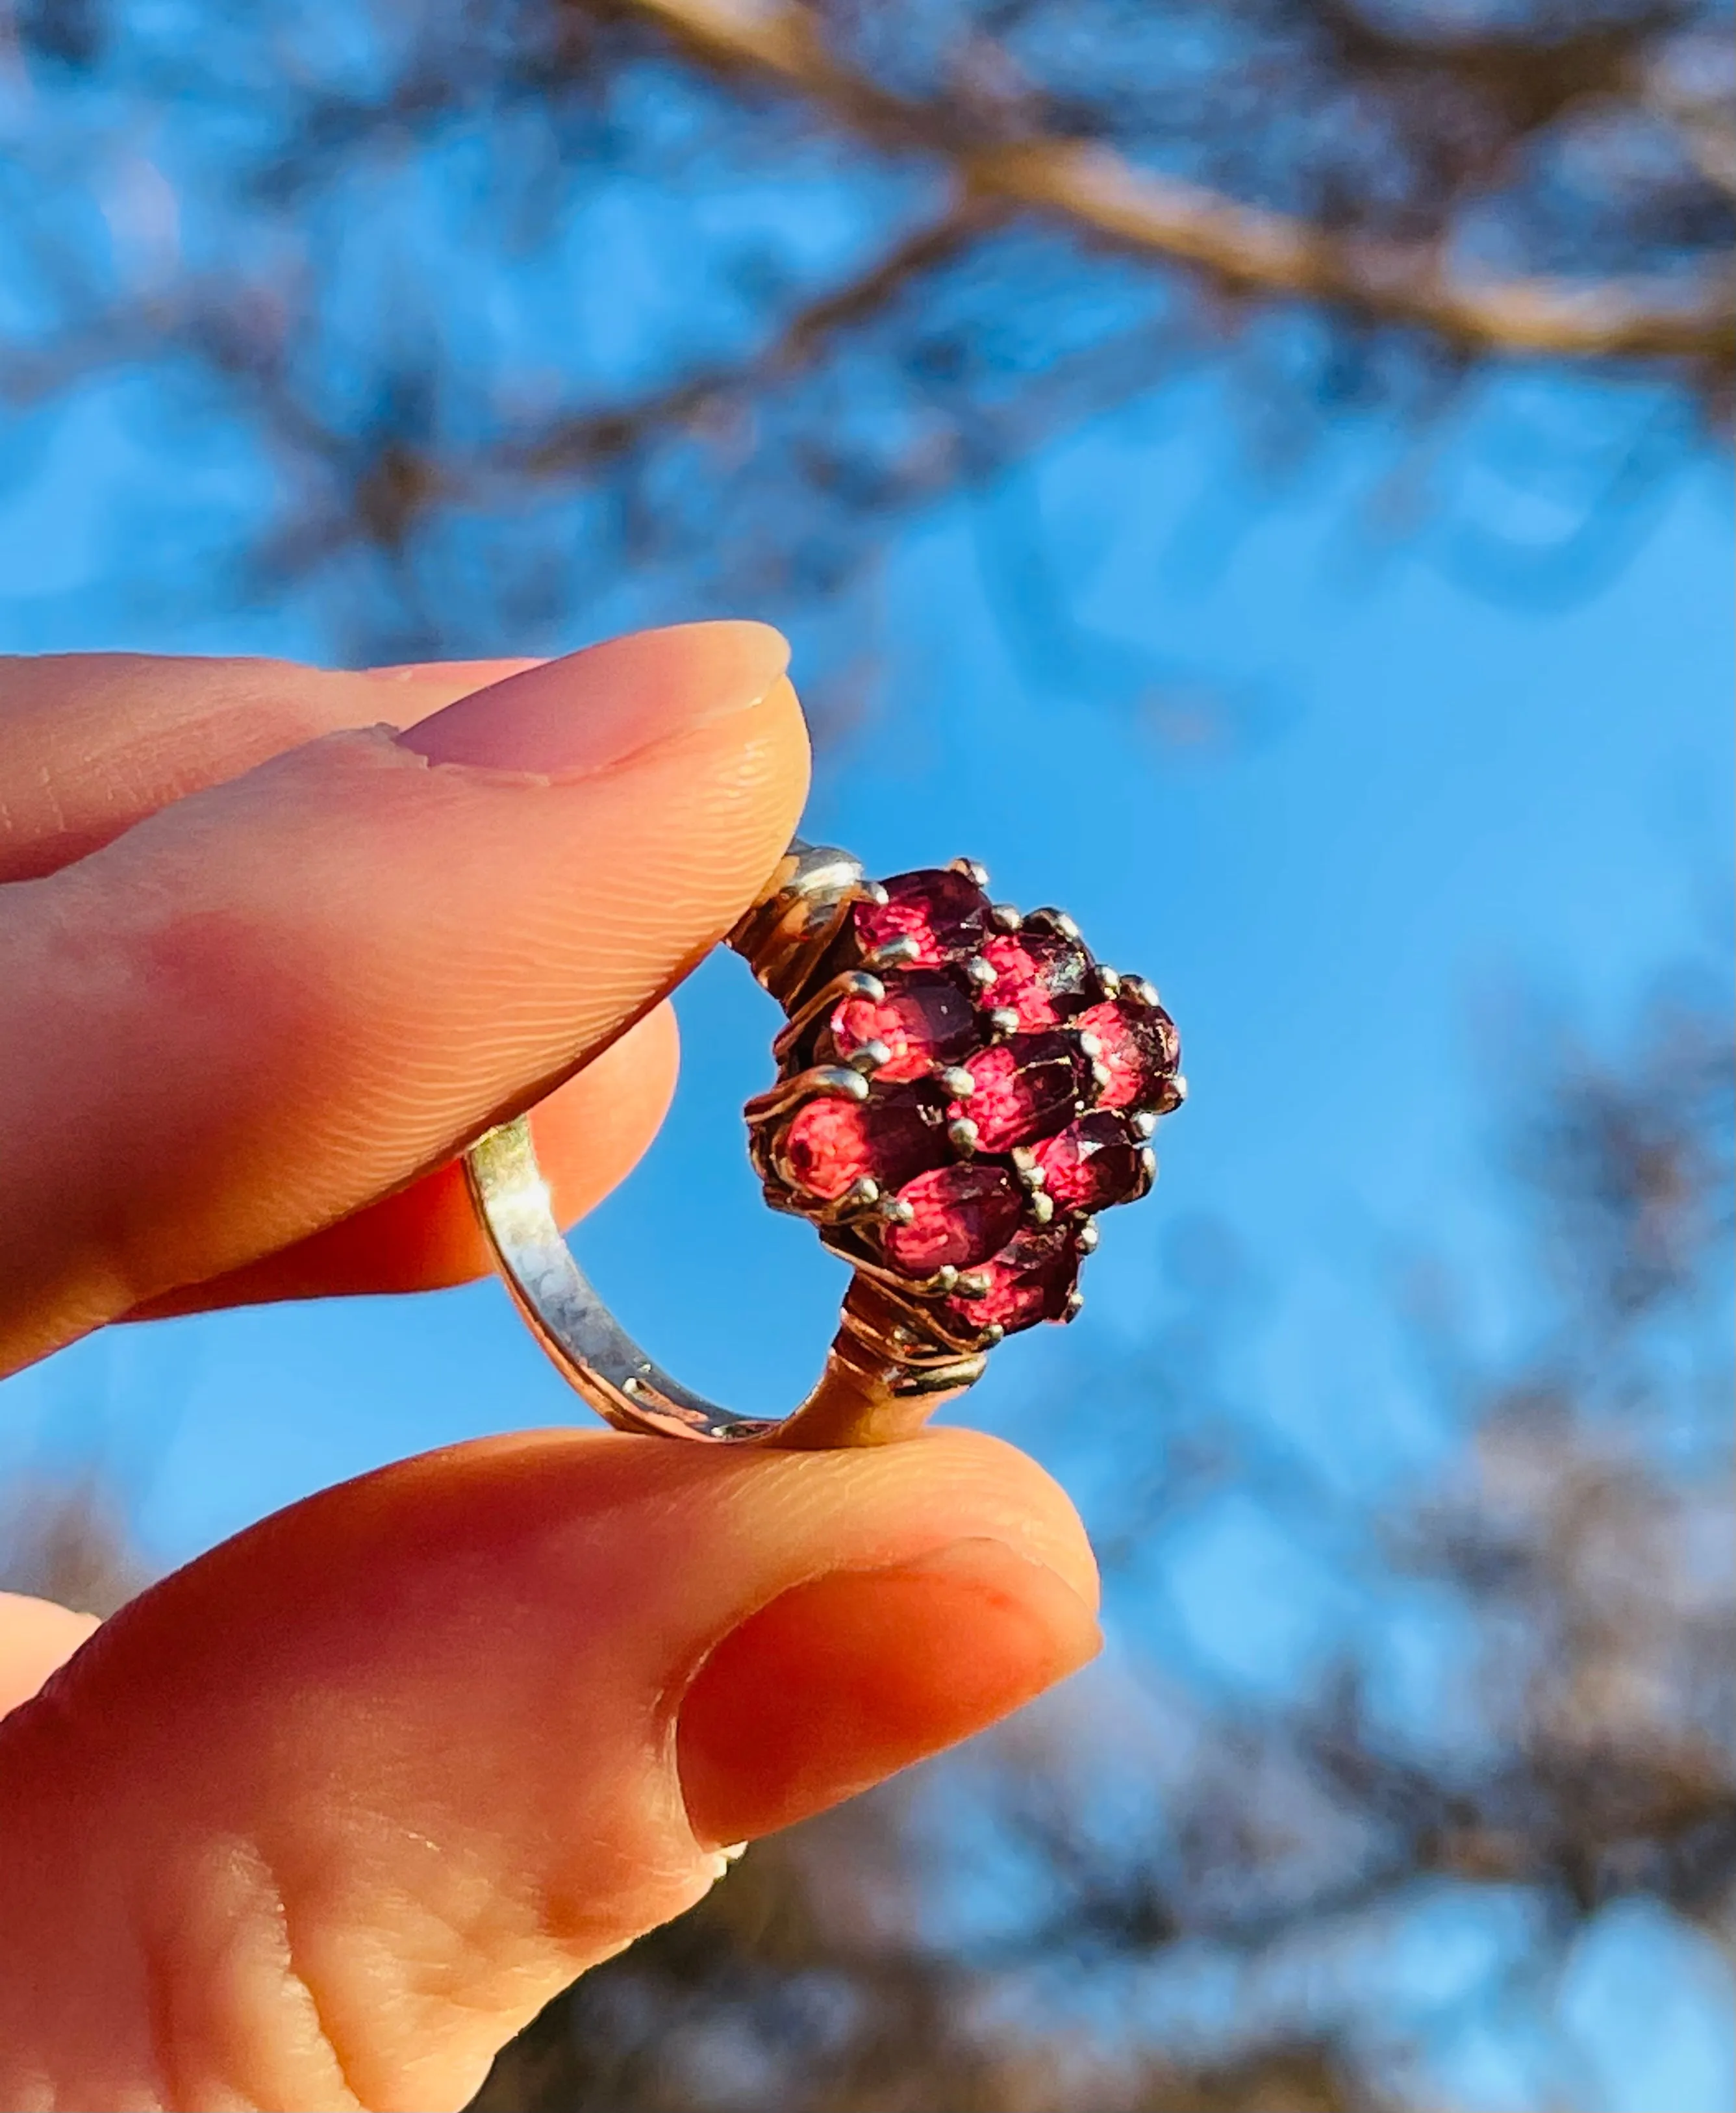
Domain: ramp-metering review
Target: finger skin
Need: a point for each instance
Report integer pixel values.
(322, 1820)
(590, 1134)
(35, 1637)
(269, 1004)
(91, 743)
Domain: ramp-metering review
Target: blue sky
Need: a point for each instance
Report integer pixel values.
(1442, 794)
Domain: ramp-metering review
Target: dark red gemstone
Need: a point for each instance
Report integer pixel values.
(1139, 1047)
(1025, 1089)
(961, 1215)
(1092, 1163)
(1029, 1281)
(1041, 976)
(831, 1143)
(945, 913)
(924, 1021)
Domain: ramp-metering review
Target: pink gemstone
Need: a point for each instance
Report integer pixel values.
(831, 1143)
(962, 1214)
(1139, 1046)
(944, 912)
(924, 1021)
(1029, 1281)
(1039, 975)
(1094, 1162)
(1025, 1089)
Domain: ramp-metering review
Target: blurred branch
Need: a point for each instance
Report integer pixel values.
(1245, 248)
(583, 443)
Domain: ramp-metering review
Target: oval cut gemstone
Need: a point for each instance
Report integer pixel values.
(924, 1021)
(1137, 1044)
(830, 1144)
(1025, 1089)
(946, 914)
(1091, 1164)
(961, 1215)
(1039, 975)
(1029, 1281)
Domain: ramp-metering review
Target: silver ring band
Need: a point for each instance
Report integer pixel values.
(906, 1342)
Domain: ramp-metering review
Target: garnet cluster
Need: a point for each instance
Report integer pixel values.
(960, 1089)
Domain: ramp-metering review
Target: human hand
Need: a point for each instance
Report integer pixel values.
(320, 1820)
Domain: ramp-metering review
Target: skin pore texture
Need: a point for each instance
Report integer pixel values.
(319, 1820)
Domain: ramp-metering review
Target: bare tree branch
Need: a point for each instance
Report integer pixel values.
(1247, 248)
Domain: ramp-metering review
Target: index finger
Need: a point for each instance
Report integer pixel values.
(91, 743)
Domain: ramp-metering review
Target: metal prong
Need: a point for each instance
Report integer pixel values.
(1042, 1206)
(1109, 981)
(896, 952)
(1075, 1304)
(896, 1211)
(1141, 991)
(1005, 917)
(1029, 1174)
(979, 972)
(853, 983)
(972, 1284)
(1086, 1239)
(961, 1133)
(870, 890)
(1147, 1170)
(1179, 1087)
(957, 1082)
(1101, 1077)
(1142, 1122)
(1089, 1045)
(1049, 920)
(1003, 1021)
(834, 1081)
(972, 869)
(869, 1057)
(945, 1280)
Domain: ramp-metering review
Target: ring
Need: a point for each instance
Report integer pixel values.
(960, 1090)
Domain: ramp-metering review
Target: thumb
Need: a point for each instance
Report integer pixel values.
(324, 1818)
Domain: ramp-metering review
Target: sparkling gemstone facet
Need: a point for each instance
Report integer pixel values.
(946, 914)
(831, 1143)
(1025, 1089)
(1092, 1163)
(924, 1021)
(1028, 1280)
(962, 1214)
(1139, 1047)
(1041, 976)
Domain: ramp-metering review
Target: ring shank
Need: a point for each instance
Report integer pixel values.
(865, 1395)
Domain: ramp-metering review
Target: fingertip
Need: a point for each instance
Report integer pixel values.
(848, 1677)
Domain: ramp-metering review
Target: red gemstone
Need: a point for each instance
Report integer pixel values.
(1094, 1162)
(923, 1021)
(1139, 1047)
(831, 1143)
(1029, 1281)
(961, 1215)
(945, 913)
(1025, 1089)
(1040, 976)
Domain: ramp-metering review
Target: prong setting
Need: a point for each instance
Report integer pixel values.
(1011, 1161)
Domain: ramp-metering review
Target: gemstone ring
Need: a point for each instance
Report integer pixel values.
(960, 1090)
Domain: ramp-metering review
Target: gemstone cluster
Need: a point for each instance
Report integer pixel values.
(960, 1090)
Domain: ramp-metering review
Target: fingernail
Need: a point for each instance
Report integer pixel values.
(841, 1682)
(573, 717)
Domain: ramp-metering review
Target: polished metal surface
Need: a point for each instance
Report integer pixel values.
(886, 1371)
